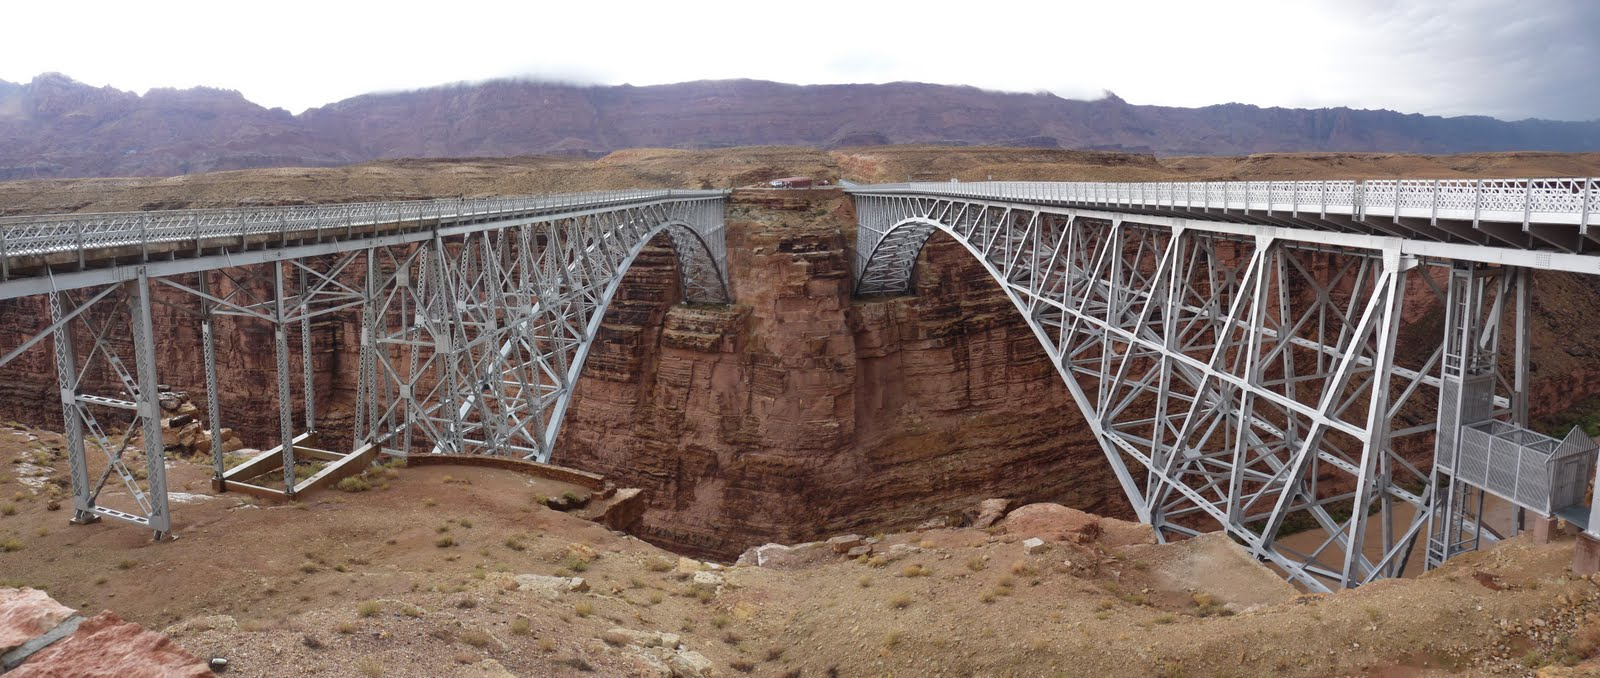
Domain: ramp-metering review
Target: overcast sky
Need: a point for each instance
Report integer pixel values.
(1507, 58)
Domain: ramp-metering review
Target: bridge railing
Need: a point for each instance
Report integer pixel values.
(1573, 201)
(43, 234)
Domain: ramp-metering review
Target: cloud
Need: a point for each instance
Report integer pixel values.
(1507, 58)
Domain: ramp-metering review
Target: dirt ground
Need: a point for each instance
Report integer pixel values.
(418, 580)
(409, 179)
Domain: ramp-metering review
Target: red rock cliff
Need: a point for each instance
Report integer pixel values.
(799, 413)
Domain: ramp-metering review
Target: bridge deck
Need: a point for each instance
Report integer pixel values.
(1533, 214)
(40, 253)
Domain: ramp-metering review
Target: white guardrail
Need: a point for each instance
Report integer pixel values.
(1524, 201)
(43, 234)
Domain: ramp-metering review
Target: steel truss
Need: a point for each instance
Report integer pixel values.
(1238, 374)
(475, 325)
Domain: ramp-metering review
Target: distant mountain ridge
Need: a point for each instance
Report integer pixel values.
(54, 126)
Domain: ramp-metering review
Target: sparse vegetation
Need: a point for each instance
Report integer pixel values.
(900, 601)
(891, 639)
(369, 666)
(521, 626)
(369, 608)
(353, 484)
(477, 638)
(583, 608)
(445, 542)
(10, 545)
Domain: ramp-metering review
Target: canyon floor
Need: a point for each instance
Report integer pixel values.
(429, 577)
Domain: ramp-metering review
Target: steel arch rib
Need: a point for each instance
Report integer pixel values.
(920, 229)
(591, 330)
(1033, 271)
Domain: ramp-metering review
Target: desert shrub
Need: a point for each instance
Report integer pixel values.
(477, 638)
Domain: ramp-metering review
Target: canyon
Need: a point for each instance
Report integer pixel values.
(799, 411)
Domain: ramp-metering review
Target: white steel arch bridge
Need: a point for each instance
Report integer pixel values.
(476, 317)
(1233, 346)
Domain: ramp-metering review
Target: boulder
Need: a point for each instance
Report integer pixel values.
(105, 645)
(26, 614)
(857, 552)
(899, 551)
(1033, 546)
(1053, 522)
(780, 556)
(1114, 533)
(622, 636)
(843, 543)
(687, 566)
(550, 587)
(690, 664)
(988, 512)
(709, 579)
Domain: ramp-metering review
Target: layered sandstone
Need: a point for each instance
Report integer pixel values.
(798, 412)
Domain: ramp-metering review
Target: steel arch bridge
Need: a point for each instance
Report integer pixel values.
(1233, 345)
(475, 317)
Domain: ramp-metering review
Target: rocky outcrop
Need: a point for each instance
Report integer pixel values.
(40, 638)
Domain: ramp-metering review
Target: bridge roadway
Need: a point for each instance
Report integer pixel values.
(1231, 344)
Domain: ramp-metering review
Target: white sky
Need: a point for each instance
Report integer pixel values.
(1507, 58)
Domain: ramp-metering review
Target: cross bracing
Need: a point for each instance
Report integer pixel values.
(475, 319)
(1233, 346)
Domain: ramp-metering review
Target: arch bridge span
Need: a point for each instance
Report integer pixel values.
(1233, 346)
(475, 319)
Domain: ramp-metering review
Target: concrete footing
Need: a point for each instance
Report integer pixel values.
(1543, 529)
(1586, 555)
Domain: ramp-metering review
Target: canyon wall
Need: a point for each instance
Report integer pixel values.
(799, 413)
